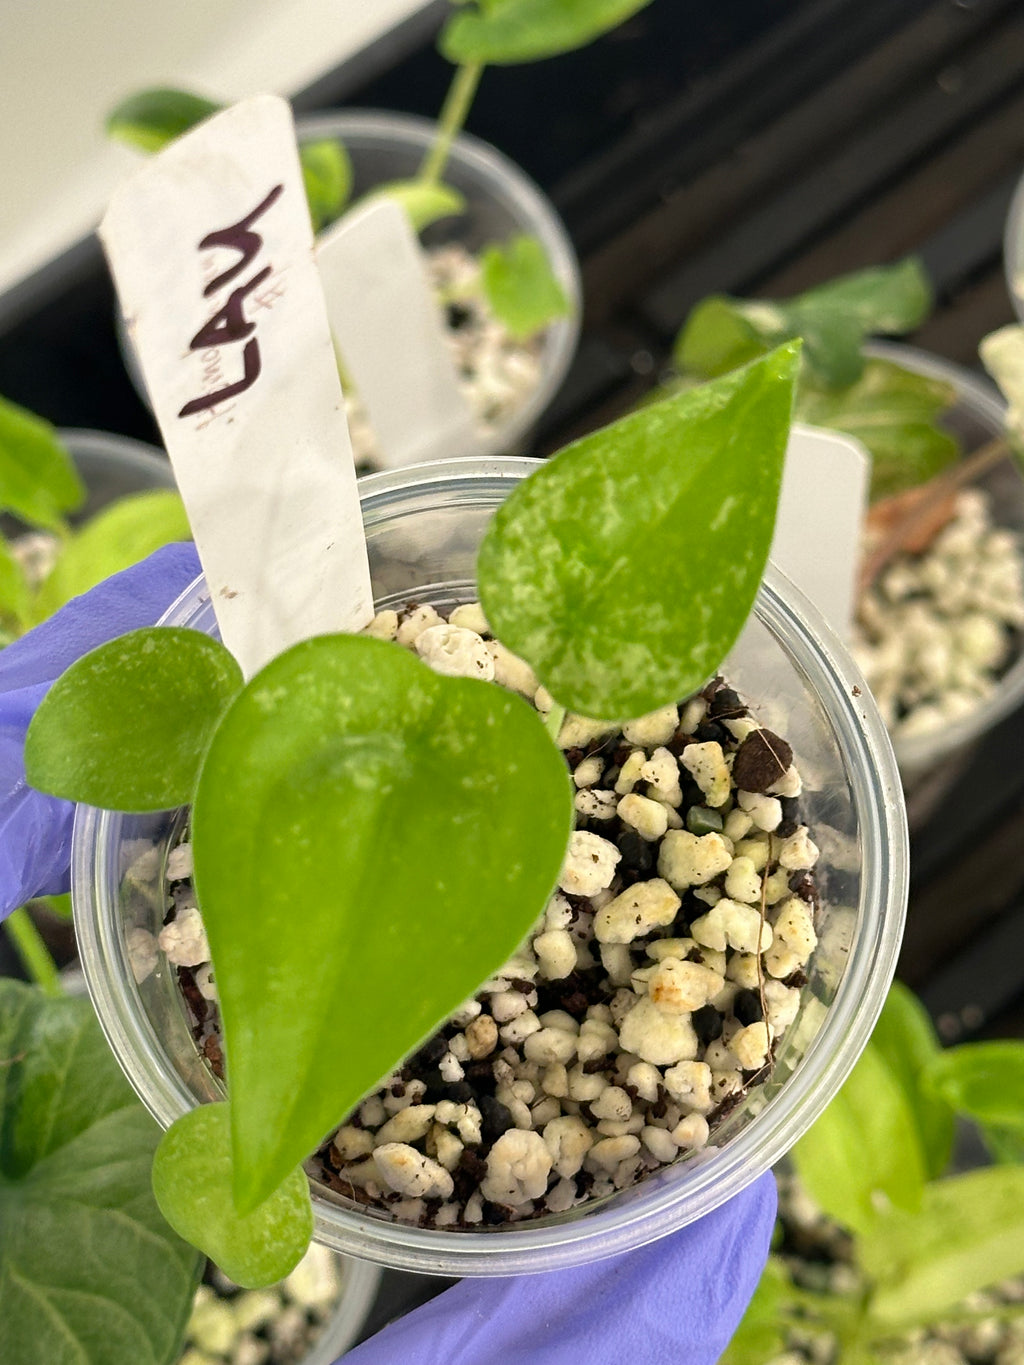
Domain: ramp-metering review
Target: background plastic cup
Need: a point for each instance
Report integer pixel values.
(929, 763)
(341, 1331)
(1013, 250)
(501, 202)
(423, 526)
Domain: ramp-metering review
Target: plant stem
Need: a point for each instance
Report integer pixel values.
(450, 121)
(33, 952)
(932, 496)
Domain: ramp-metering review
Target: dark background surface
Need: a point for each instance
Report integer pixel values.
(748, 147)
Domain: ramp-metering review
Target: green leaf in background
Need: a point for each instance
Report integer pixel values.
(90, 1274)
(624, 568)
(863, 1155)
(121, 535)
(126, 726)
(57, 905)
(192, 1181)
(150, 119)
(327, 177)
(424, 203)
(834, 319)
(38, 481)
(985, 1081)
(966, 1235)
(14, 591)
(504, 32)
(521, 287)
(908, 1043)
(391, 825)
(759, 1337)
(896, 414)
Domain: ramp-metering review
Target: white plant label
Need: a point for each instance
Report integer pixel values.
(211, 250)
(821, 513)
(391, 337)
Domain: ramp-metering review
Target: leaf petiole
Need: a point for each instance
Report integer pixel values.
(33, 952)
(452, 117)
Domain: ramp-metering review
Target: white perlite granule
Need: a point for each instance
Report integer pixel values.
(936, 630)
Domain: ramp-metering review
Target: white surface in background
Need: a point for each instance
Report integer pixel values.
(818, 527)
(249, 404)
(65, 63)
(386, 322)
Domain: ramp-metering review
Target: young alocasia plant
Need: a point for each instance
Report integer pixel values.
(385, 835)
(76, 1151)
(877, 1162)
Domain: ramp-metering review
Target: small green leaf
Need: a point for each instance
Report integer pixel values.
(425, 204)
(505, 32)
(896, 413)
(192, 1181)
(14, 591)
(907, 1041)
(150, 119)
(90, 1274)
(624, 568)
(370, 840)
(126, 726)
(521, 287)
(985, 1081)
(863, 1155)
(966, 1235)
(833, 320)
(38, 482)
(327, 177)
(759, 1336)
(123, 534)
(1002, 354)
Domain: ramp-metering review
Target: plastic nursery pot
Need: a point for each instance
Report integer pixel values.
(1013, 250)
(501, 202)
(929, 762)
(423, 527)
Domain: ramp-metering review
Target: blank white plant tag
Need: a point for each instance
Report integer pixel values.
(211, 249)
(821, 513)
(390, 334)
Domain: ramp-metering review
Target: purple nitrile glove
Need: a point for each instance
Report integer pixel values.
(674, 1302)
(35, 830)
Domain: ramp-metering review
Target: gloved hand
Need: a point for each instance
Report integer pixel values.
(674, 1302)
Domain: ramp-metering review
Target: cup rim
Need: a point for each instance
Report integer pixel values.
(918, 754)
(649, 1210)
(1013, 250)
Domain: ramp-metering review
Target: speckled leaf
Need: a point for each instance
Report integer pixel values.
(126, 726)
(90, 1274)
(908, 1043)
(966, 1235)
(149, 119)
(192, 1181)
(896, 413)
(863, 1154)
(121, 535)
(371, 841)
(521, 287)
(625, 567)
(985, 1081)
(833, 320)
(38, 481)
(504, 32)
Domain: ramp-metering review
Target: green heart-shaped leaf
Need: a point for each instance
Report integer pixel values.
(510, 31)
(38, 481)
(327, 177)
(370, 840)
(982, 1080)
(625, 567)
(424, 203)
(521, 287)
(126, 726)
(192, 1181)
(150, 119)
(905, 1038)
(90, 1273)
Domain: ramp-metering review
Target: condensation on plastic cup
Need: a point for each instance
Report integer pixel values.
(976, 418)
(501, 202)
(1013, 250)
(423, 527)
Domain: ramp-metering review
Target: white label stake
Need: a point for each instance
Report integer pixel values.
(387, 323)
(821, 513)
(211, 250)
